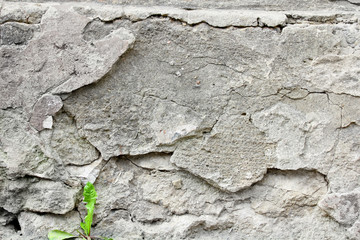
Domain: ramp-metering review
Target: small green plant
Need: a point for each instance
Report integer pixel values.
(90, 196)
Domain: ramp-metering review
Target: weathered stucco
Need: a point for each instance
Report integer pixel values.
(193, 119)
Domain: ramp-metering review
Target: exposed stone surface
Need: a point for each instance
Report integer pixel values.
(343, 207)
(288, 193)
(36, 195)
(32, 224)
(184, 212)
(194, 120)
(22, 152)
(253, 4)
(57, 60)
(15, 34)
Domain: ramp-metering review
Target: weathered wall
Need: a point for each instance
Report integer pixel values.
(201, 123)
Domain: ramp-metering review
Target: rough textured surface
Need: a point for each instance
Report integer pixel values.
(252, 4)
(194, 120)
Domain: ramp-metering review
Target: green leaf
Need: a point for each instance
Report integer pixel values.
(90, 196)
(59, 235)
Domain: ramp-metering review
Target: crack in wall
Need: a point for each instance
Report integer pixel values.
(354, 2)
(178, 170)
(180, 15)
(185, 23)
(282, 93)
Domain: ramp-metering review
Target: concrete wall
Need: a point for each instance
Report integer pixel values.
(193, 122)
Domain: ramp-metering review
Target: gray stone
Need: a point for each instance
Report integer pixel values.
(223, 120)
(32, 224)
(353, 231)
(60, 60)
(15, 33)
(51, 197)
(10, 233)
(44, 108)
(155, 161)
(232, 164)
(344, 208)
(86, 173)
(144, 211)
(66, 144)
(173, 111)
(36, 195)
(22, 152)
(306, 5)
(288, 193)
(343, 177)
(22, 13)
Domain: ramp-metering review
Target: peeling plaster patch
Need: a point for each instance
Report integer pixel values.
(66, 144)
(168, 128)
(110, 48)
(288, 193)
(218, 18)
(337, 78)
(235, 18)
(48, 122)
(44, 109)
(299, 128)
(63, 61)
(344, 208)
(86, 173)
(286, 126)
(231, 163)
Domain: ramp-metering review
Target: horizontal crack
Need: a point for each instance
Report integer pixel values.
(146, 168)
(354, 2)
(241, 19)
(134, 19)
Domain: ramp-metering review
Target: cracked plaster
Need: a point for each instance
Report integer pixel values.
(237, 123)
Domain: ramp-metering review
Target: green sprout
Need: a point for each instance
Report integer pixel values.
(90, 196)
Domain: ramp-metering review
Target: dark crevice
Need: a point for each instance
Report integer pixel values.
(15, 224)
(351, 124)
(189, 8)
(7, 216)
(19, 21)
(10, 108)
(304, 170)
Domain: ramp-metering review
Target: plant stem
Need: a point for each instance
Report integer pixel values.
(84, 236)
